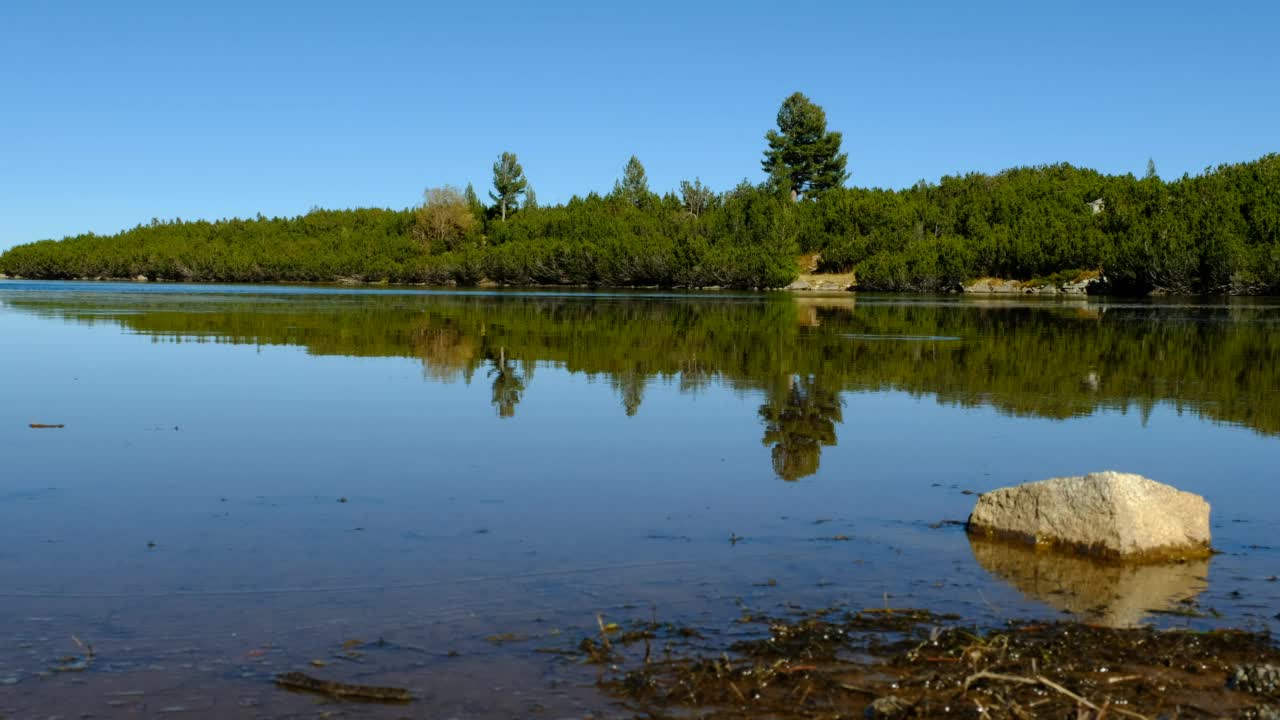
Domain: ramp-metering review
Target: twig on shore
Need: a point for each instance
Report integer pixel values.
(1046, 682)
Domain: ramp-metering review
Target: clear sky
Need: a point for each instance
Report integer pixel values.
(112, 113)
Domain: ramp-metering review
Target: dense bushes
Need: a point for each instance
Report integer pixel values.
(1218, 232)
(1213, 233)
(748, 242)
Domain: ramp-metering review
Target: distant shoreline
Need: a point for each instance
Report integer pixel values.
(807, 285)
(1046, 230)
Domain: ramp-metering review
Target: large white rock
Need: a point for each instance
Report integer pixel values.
(1109, 514)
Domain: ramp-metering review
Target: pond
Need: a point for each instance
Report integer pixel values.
(441, 490)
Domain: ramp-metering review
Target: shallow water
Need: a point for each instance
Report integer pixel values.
(248, 477)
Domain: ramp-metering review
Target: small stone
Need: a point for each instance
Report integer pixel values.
(1258, 679)
(887, 707)
(1110, 514)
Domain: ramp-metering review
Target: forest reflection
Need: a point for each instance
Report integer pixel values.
(802, 355)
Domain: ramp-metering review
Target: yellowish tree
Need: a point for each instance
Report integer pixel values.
(444, 219)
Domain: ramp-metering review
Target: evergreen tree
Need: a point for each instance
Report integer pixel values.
(1151, 169)
(634, 185)
(530, 198)
(803, 158)
(509, 183)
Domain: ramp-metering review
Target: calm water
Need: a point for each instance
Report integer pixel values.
(250, 477)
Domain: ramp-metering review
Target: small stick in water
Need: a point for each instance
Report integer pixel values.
(302, 681)
(42, 426)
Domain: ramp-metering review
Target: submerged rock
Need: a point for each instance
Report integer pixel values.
(887, 708)
(1107, 514)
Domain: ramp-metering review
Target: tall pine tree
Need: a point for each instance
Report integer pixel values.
(803, 158)
(509, 183)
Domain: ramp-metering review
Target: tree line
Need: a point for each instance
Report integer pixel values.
(1214, 233)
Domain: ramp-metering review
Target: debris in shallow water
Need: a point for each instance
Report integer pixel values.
(507, 637)
(72, 663)
(892, 662)
(350, 691)
(43, 426)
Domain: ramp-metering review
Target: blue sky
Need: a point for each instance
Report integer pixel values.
(114, 113)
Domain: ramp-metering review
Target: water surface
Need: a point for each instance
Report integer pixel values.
(248, 477)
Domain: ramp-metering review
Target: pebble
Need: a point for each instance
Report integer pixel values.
(1262, 679)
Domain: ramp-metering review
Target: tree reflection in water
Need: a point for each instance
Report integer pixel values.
(1219, 359)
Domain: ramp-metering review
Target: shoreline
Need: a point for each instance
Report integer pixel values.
(898, 663)
(804, 285)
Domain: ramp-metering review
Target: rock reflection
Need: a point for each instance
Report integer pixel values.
(1108, 594)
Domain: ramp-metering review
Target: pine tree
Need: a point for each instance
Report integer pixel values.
(530, 198)
(803, 158)
(634, 185)
(509, 183)
(473, 202)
